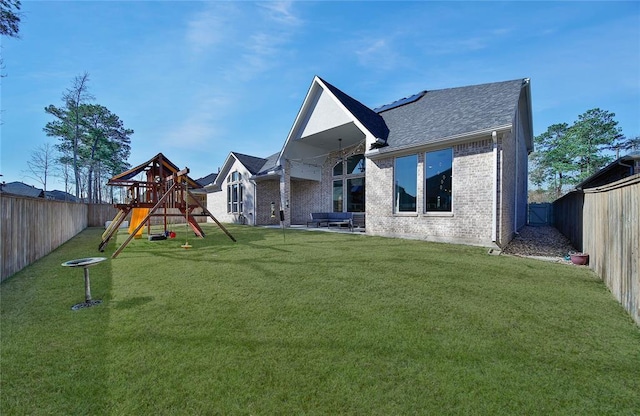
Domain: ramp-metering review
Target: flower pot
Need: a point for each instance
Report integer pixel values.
(580, 258)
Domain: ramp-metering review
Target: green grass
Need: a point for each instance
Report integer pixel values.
(318, 323)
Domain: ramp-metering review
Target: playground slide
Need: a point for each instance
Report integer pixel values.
(113, 224)
(137, 215)
(196, 227)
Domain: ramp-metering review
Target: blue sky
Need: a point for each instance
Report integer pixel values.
(196, 80)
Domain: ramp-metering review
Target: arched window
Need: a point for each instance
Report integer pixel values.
(235, 193)
(348, 184)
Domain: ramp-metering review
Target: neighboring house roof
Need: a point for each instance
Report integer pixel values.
(21, 189)
(371, 120)
(618, 169)
(439, 115)
(207, 180)
(61, 196)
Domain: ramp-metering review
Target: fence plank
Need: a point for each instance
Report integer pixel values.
(605, 222)
(31, 228)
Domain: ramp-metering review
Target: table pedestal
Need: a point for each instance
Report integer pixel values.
(85, 264)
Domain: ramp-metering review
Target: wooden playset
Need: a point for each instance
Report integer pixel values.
(160, 190)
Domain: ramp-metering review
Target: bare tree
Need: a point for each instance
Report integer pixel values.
(68, 126)
(41, 164)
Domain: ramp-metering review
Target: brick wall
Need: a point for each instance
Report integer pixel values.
(471, 219)
(310, 196)
(307, 196)
(268, 191)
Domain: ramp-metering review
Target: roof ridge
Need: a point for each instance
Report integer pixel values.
(369, 118)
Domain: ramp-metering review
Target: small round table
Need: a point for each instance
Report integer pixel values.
(85, 264)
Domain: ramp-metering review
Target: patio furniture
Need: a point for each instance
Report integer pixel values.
(331, 218)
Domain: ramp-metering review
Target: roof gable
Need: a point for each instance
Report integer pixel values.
(252, 163)
(371, 120)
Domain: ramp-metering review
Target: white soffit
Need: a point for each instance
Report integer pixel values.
(323, 114)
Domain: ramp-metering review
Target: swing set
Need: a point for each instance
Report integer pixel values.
(164, 192)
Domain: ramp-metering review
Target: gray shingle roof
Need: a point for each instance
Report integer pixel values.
(21, 189)
(207, 180)
(270, 164)
(61, 196)
(252, 163)
(440, 114)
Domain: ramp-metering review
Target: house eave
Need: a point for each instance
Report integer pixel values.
(271, 174)
(383, 152)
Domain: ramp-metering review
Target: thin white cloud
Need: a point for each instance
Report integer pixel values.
(210, 27)
(281, 12)
(202, 124)
(379, 53)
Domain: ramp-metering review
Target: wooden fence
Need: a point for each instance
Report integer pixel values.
(605, 223)
(540, 214)
(31, 228)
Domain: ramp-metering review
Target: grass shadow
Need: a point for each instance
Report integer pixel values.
(57, 379)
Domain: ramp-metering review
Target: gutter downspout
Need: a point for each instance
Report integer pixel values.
(517, 194)
(494, 216)
(254, 214)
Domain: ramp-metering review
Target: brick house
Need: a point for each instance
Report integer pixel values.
(445, 165)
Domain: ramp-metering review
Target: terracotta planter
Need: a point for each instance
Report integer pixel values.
(580, 258)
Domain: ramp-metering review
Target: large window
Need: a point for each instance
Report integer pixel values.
(348, 185)
(406, 183)
(235, 193)
(337, 196)
(439, 181)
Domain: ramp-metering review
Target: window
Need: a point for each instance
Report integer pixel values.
(355, 195)
(439, 182)
(406, 183)
(348, 184)
(337, 196)
(355, 165)
(235, 193)
(337, 169)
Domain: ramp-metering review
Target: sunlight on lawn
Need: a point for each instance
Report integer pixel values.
(318, 323)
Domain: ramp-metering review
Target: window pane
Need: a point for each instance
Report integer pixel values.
(355, 165)
(234, 198)
(337, 169)
(228, 198)
(337, 196)
(355, 195)
(406, 187)
(439, 180)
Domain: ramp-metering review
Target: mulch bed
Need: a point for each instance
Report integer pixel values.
(543, 241)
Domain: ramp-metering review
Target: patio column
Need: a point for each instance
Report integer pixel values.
(285, 193)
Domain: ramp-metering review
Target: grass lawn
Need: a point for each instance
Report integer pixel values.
(319, 323)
